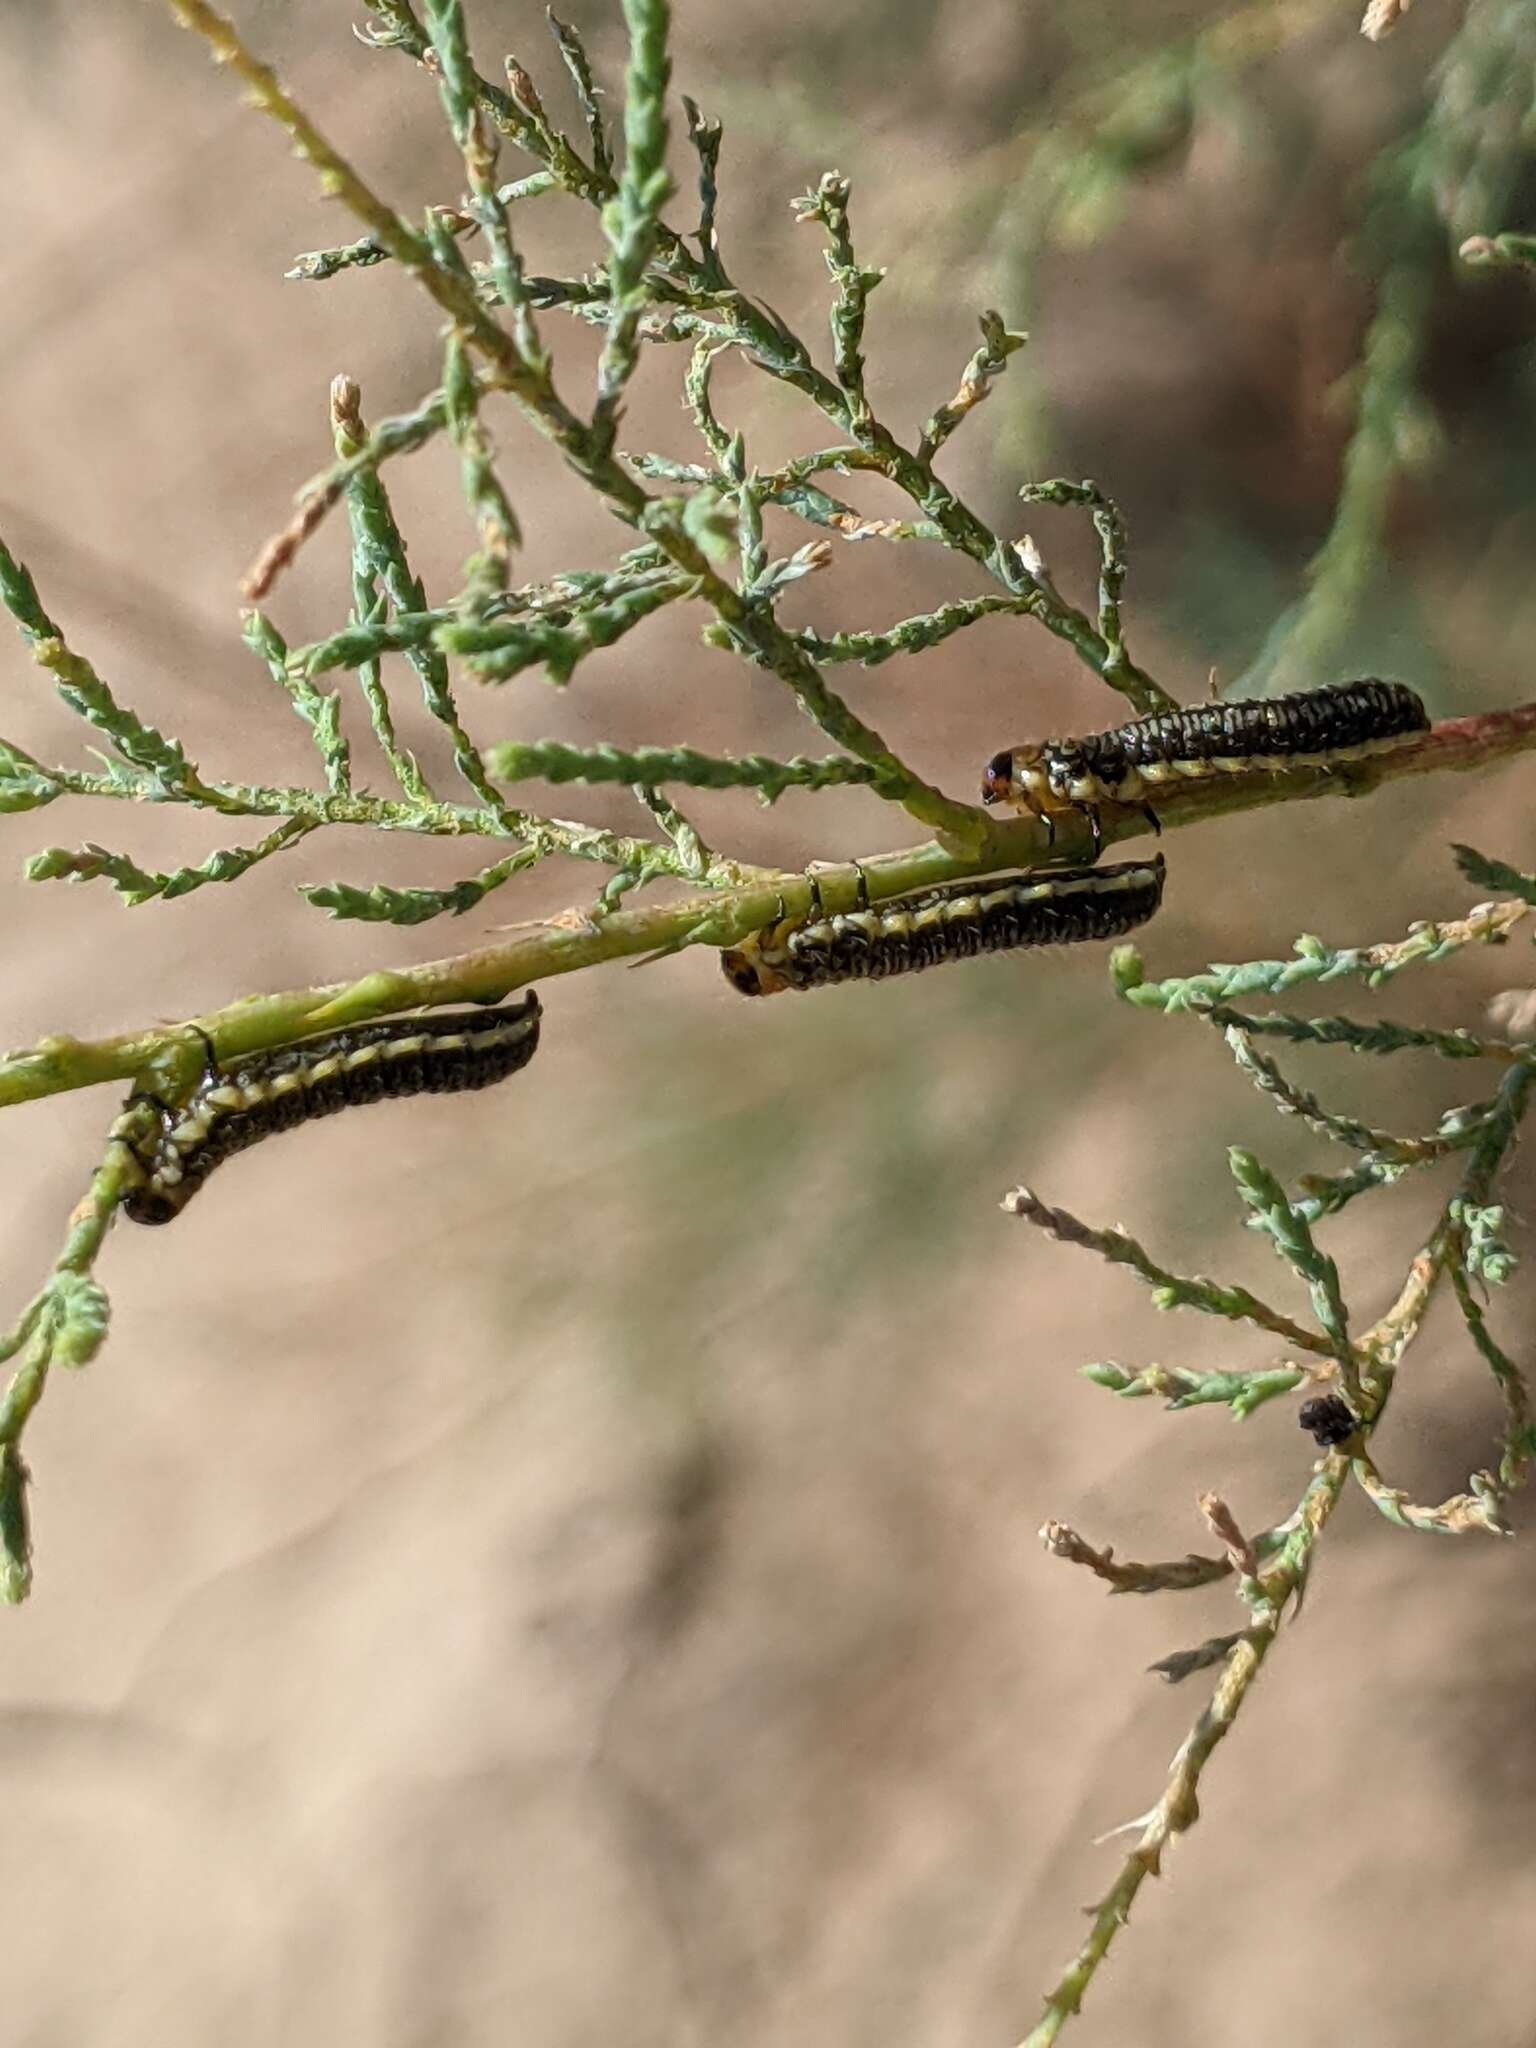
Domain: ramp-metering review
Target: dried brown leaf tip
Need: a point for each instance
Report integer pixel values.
(1512, 1013)
(1223, 1526)
(346, 407)
(1381, 17)
(852, 527)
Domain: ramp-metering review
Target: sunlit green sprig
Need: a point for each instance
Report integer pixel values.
(1169, 1290)
(386, 583)
(402, 434)
(518, 114)
(751, 541)
(1286, 1228)
(559, 602)
(1485, 1252)
(487, 573)
(65, 1323)
(386, 814)
(764, 580)
(1519, 1446)
(1326, 1194)
(1182, 1387)
(1466, 1232)
(352, 645)
(573, 54)
(82, 689)
(914, 635)
(25, 784)
(727, 449)
(1466, 1235)
(1382, 1036)
(1292, 1100)
(556, 761)
(1499, 1129)
(751, 630)
(1115, 664)
(820, 508)
(1480, 1508)
(138, 885)
(698, 861)
(632, 217)
(499, 649)
(319, 709)
(303, 810)
(1178, 1807)
(740, 322)
(315, 265)
(527, 381)
(488, 208)
(853, 284)
(1314, 960)
(683, 531)
(383, 905)
(730, 454)
(705, 135)
(998, 343)
(736, 320)
(373, 531)
(519, 117)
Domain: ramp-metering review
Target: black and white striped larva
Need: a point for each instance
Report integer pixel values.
(1314, 728)
(956, 922)
(248, 1099)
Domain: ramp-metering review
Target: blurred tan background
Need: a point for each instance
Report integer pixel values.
(564, 1567)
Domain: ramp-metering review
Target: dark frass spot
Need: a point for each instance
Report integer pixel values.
(1328, 1419)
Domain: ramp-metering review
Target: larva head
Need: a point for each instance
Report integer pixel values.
(997, 777)
(152, 1203)
(747, 972)
(1017, 777)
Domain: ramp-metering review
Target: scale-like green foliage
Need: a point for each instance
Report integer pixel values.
(696, 547)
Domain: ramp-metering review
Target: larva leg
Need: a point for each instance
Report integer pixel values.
(1151, 817)
(164, 1117)
(1091, 813)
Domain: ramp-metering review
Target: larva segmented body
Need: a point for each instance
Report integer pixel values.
(236, 1105)
(1128, 765)
(956, 922)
